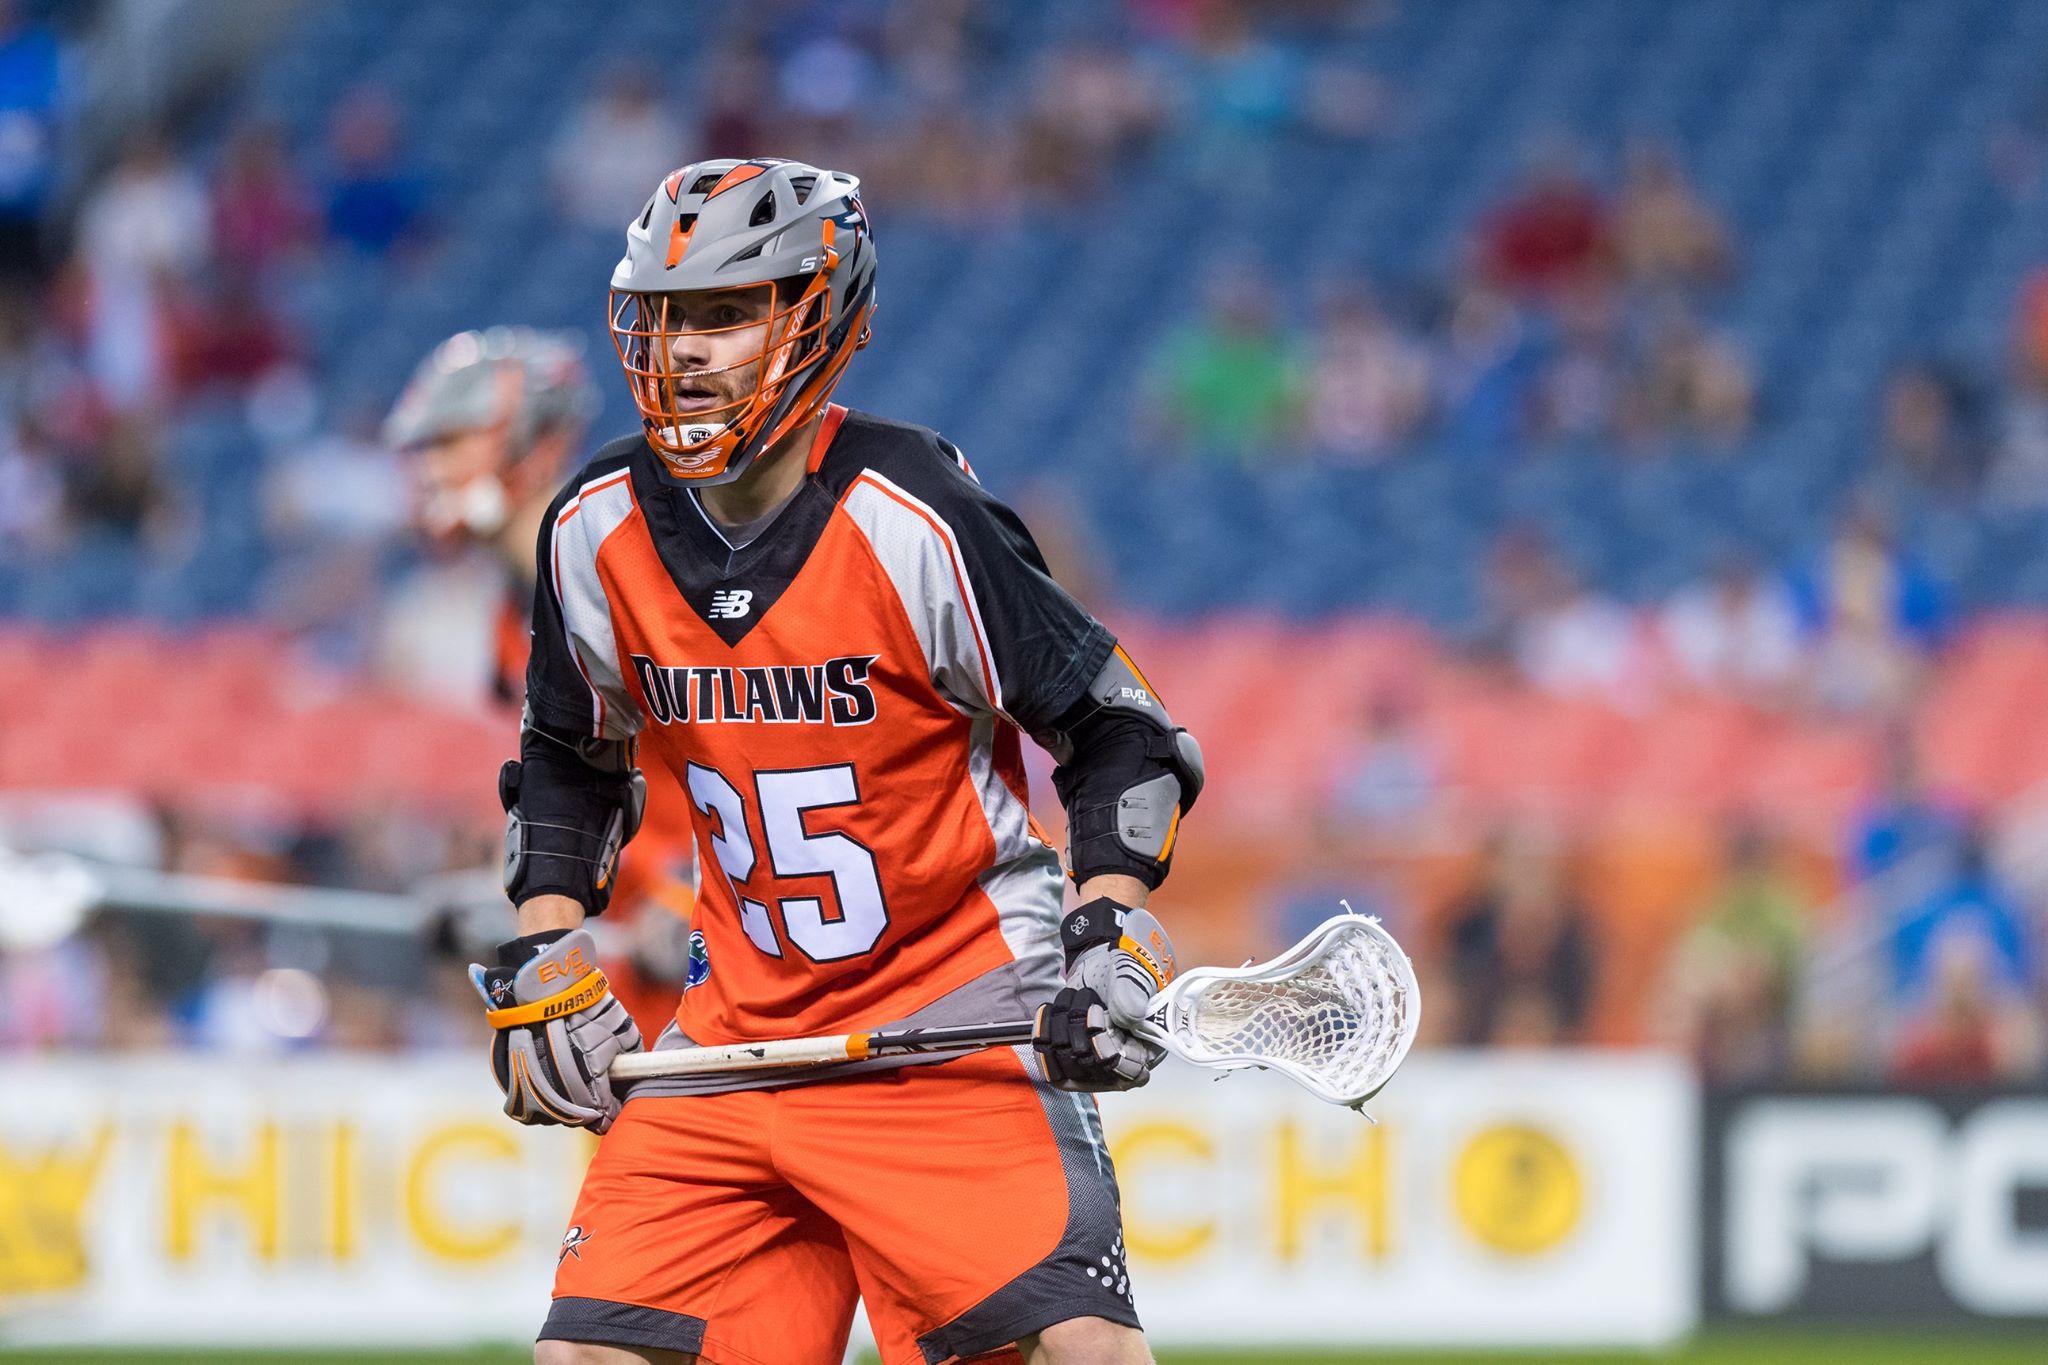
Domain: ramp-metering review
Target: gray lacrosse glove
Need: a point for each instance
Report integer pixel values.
(558, 1028)
(1116, 959)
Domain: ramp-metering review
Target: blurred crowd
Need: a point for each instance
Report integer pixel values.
(153, 282)
(1850, 630)
(142, 978)
(1910, 952)
(155, 276)
(1573, 315)
(160, 275)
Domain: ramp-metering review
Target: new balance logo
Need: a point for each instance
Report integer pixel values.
(729, 604)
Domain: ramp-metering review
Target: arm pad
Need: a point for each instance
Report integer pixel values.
(570, 805)
(1126, 775)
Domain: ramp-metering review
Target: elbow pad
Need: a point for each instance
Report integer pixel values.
(571, 804)
(1126, 775)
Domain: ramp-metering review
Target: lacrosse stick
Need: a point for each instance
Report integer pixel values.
(1335, 1013)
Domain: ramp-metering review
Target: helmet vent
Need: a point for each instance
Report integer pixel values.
(751, 252)
(764, 212)
(803, 185)
(647, 214)
(703, 183)
(686, 222)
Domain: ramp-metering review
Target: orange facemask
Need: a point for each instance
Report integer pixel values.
(789, 385)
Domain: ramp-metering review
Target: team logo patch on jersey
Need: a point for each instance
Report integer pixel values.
(571, 1240)
(698, 970)
(730, 604)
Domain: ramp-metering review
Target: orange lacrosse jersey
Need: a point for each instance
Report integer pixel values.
(840, 698)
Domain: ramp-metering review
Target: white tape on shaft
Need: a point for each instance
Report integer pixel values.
(690, 1061)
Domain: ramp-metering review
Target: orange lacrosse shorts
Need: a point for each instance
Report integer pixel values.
(966, 1203)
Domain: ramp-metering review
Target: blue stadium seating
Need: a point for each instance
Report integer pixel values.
(1844, 139)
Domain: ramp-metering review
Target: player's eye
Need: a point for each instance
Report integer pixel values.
(726, 314)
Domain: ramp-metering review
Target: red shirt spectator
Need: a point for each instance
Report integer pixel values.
(1966, 1033)
(228, 337)
(1943, 1051)
(1554, 230)
(260, 209)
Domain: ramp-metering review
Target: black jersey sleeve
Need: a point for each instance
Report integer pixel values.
(999, 634)
(1046, 646)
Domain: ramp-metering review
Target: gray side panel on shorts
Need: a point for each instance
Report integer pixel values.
(601, 1322)
(998, 995)
(1086, 1274)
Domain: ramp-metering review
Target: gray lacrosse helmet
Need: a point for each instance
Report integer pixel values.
(529, 381)
(730, 224)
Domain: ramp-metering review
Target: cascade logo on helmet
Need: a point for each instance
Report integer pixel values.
(745, 288)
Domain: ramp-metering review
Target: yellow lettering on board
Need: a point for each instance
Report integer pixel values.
(42, 1216)
(1302, 1191)
(341, 1191)
(1162, 1141)
(440, 1235)
(193, 1185)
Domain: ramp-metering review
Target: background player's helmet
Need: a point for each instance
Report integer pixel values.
(529, 386)
(728, 224)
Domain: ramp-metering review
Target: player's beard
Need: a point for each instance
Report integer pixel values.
(716, 395)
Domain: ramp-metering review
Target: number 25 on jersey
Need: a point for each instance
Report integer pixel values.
(783, 797)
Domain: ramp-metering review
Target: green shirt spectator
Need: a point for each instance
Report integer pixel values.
(1736, 974)
(1231, 384)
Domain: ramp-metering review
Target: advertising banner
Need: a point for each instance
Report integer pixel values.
(1877, 1207)
(192, 1199)
(1542, 1198)
(1506, 1199)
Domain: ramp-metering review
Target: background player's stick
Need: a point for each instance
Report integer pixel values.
(1335, 1013)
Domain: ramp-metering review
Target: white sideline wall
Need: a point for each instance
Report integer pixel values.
(1534, 1198)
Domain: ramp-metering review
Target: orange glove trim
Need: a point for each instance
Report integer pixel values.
(587, 991)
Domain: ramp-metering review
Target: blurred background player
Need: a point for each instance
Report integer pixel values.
(492, 422)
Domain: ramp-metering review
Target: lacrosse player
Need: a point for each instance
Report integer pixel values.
(834, 637)
(489, 425)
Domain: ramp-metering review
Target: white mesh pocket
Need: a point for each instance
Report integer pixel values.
(1338, 1011)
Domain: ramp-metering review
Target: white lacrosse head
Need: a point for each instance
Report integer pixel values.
(1337, 1011)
